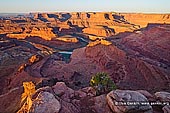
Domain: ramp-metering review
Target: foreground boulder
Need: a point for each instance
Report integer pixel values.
(148, 95)
(67, 96)
(45, 103)
(80, 101)
(123, 101)
(163, 96)
(38, 101)
(166, 109)
(100, 104)
(64, 92)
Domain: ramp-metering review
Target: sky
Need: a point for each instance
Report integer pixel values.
(138, 6)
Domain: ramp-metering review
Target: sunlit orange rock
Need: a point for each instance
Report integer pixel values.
(101, 41)
(45, 33)
(68, 38)
(26, 98)
(144, 19)
(33, 59)
(99, 31)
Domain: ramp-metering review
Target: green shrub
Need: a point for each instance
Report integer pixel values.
(102, 83)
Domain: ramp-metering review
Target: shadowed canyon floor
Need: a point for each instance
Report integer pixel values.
(59, 53)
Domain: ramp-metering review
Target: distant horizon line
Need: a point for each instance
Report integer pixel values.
(84, 12)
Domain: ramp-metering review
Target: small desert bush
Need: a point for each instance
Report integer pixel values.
(102, 83)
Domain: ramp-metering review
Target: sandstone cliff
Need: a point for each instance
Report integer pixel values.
(45, 33)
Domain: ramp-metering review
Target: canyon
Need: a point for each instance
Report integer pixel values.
(53, 56)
